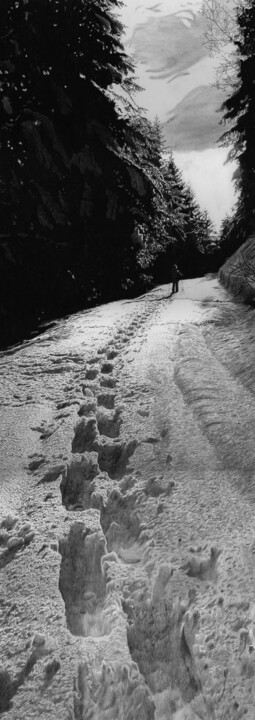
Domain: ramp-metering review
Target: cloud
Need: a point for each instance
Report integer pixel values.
(167, 45)
(194, 122)
(133, 13)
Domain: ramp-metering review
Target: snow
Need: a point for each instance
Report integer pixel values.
(127, 512)
(238, 272)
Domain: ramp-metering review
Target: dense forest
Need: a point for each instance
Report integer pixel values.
(92, 207)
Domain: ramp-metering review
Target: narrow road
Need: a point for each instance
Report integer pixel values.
(128, 513)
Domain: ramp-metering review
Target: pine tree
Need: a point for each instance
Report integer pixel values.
(239, 108)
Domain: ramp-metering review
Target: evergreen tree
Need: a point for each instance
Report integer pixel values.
(232, 234)
(239, 108)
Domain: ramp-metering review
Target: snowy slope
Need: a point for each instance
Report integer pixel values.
(238, 273)
(127, 513)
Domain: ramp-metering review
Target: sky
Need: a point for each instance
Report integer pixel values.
(165, 38)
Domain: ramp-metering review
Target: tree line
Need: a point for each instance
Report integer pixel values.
(234, 25)
(82, 168)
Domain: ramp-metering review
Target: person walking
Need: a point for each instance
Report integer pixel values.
(175, 277)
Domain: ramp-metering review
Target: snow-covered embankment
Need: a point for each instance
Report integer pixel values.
(238, 272)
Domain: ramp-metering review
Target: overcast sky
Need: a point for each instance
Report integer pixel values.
(185, 57)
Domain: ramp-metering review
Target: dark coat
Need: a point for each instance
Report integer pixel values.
(175, 273)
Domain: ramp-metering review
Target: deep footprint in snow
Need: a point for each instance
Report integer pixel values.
(107, 368)
(92, 373)
(113, 457)
(85, 435)
(107, 400)
(88, 407)
(123, 530)
(82, 583)
(76, 481)
(109, 423)
(111, 354)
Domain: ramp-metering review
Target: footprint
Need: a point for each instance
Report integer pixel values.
(82, 583)
(111, 354)
(122, 527)
(107, 367)
(113, 457)
(76, 480)
(92, 373)
(107, 400)
(108, 382)
(109, 424)
(85, 435)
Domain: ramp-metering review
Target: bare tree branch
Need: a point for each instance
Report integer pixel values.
(220, 36)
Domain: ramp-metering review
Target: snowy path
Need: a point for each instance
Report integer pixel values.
(128, 587)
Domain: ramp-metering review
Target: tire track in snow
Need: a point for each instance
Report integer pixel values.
(224, 409)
